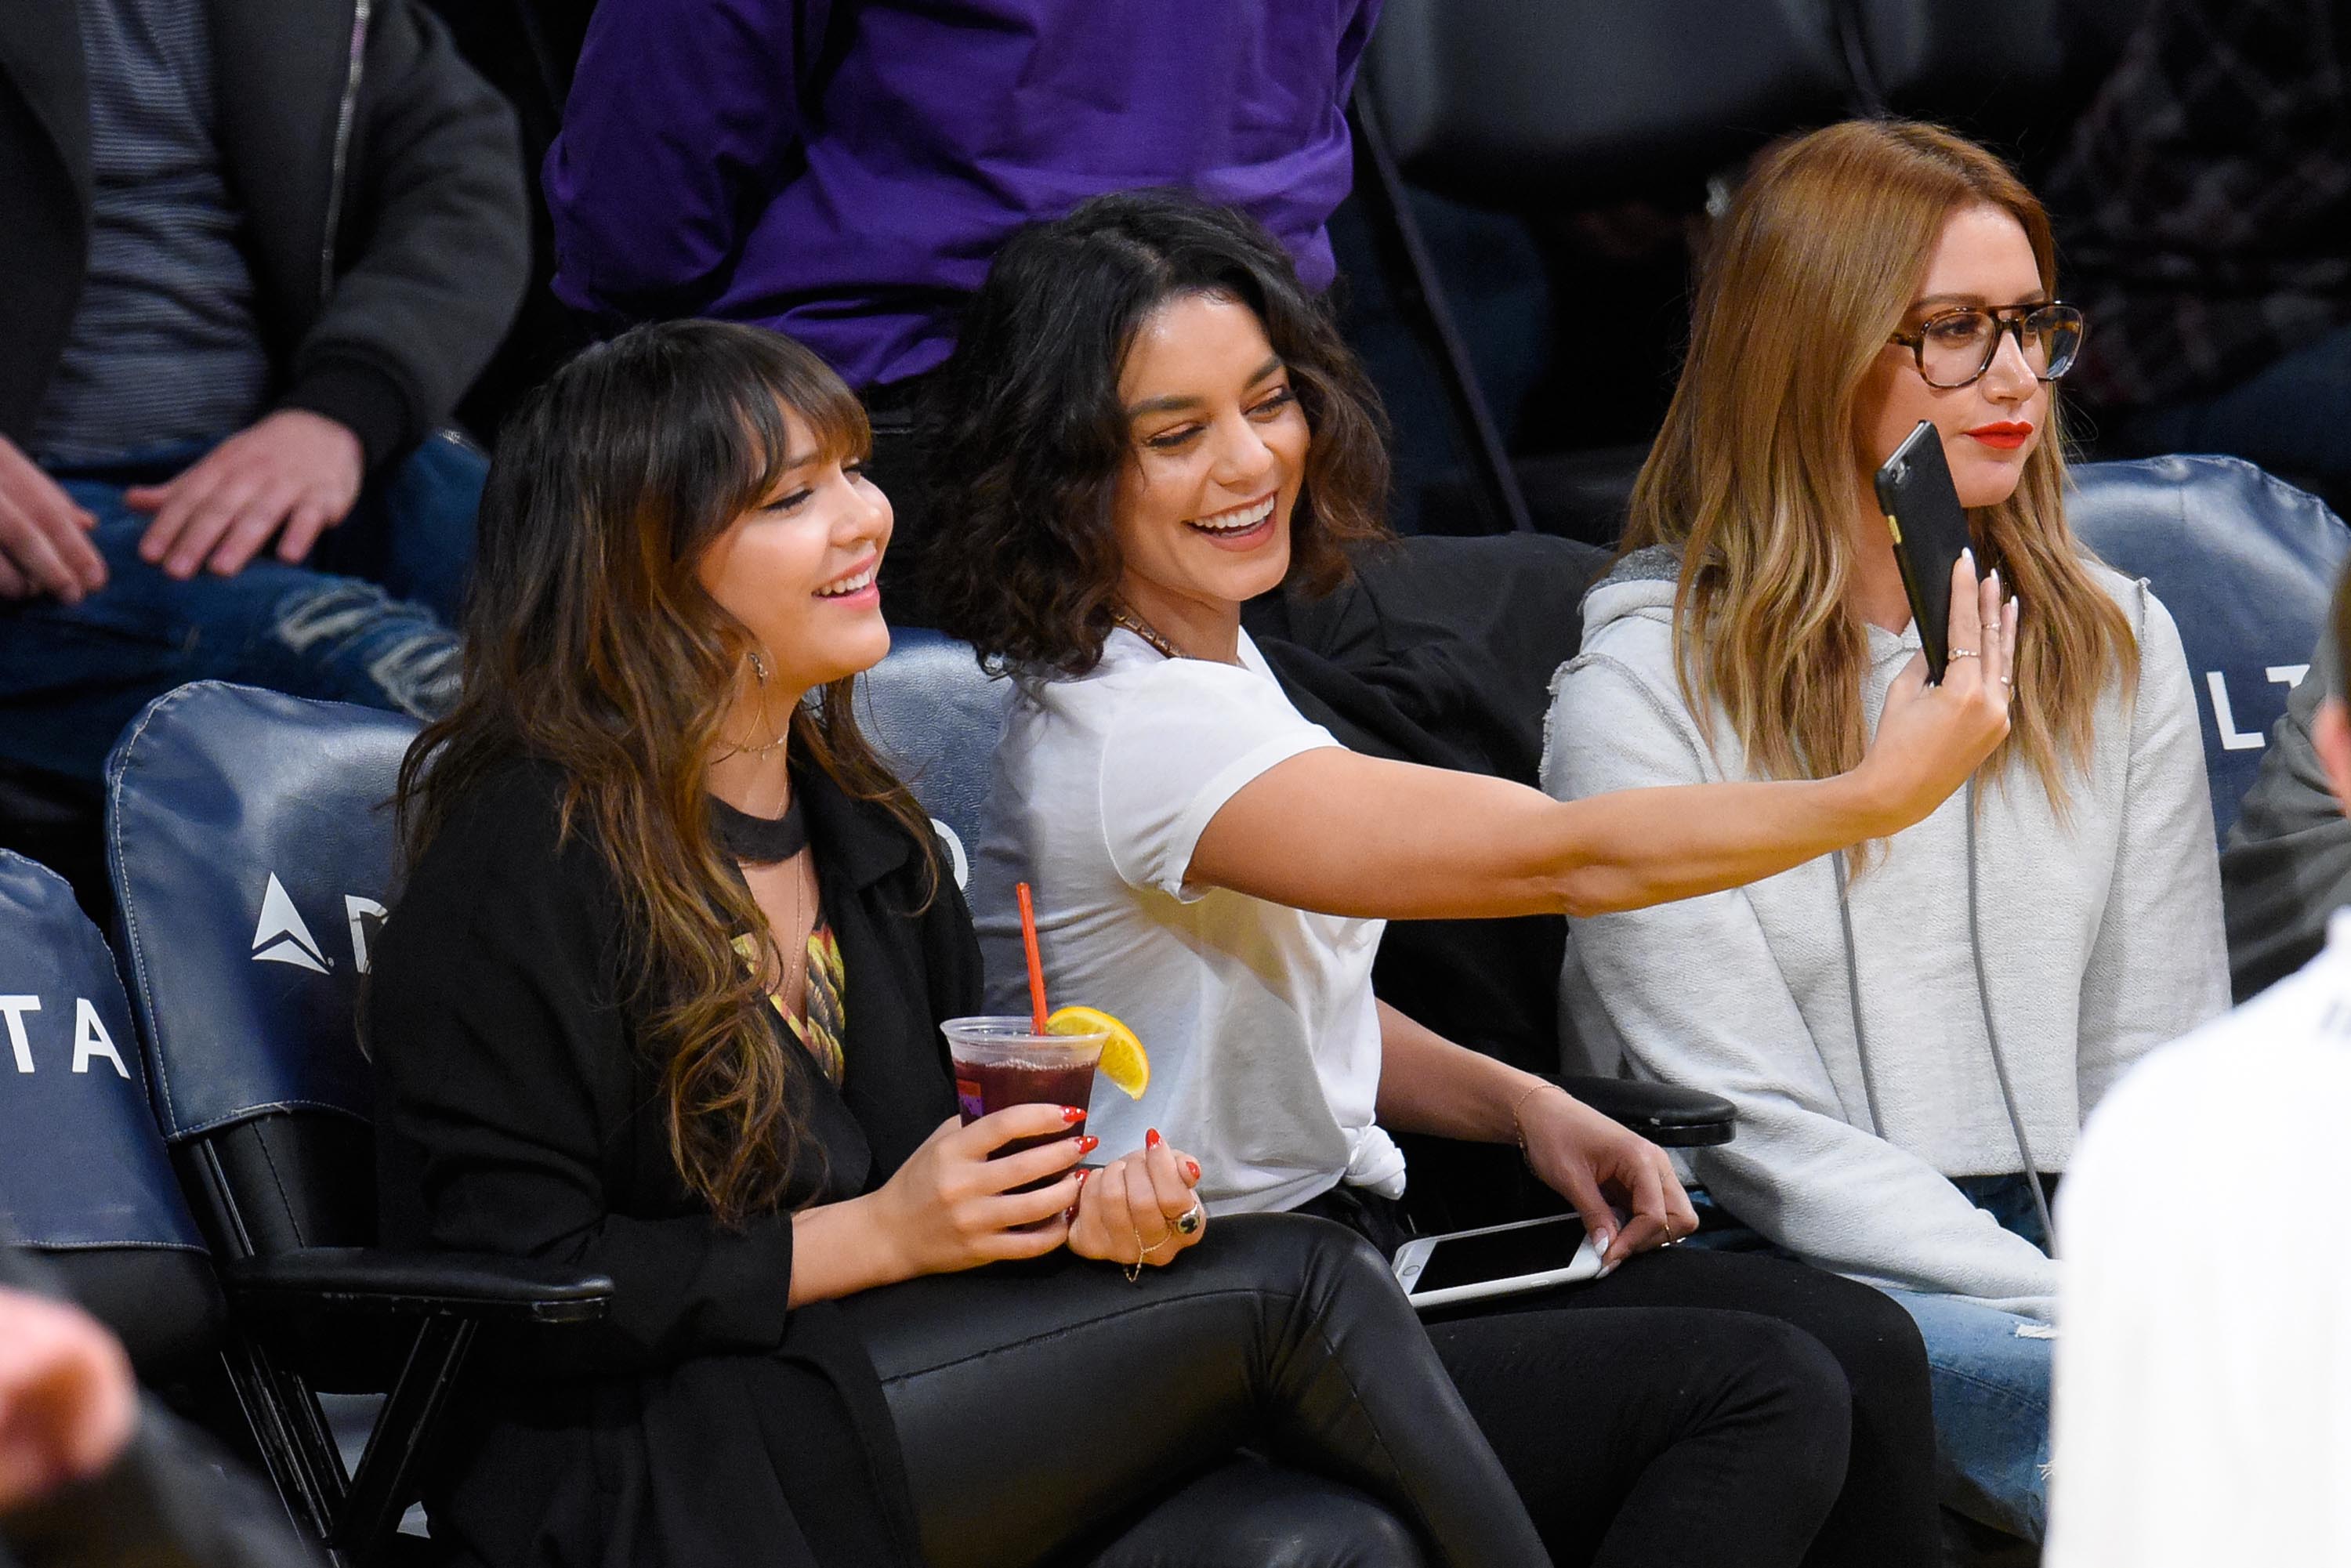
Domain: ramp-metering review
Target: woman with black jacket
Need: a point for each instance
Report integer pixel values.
(661, 999)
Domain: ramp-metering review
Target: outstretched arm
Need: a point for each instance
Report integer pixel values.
(1344, 834)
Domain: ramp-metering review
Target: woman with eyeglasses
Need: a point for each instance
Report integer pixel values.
(1913, 1029)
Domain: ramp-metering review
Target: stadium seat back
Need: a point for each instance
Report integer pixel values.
(84, 1178)
(1938, 61)
(1568, 104)
(249, 836)
(935, 716)
(2245, 563)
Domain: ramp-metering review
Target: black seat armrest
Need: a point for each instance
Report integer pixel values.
(482, 1286)
(1665, 1113)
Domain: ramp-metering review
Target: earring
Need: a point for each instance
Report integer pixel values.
(758, 667)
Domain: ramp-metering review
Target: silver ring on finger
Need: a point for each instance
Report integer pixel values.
(1189, 1223)
(1965, 653)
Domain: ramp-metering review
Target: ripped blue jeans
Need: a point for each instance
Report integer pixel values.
(71, 676)
(1992, 1379)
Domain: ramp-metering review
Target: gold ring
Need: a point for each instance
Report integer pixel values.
(1189, 1223)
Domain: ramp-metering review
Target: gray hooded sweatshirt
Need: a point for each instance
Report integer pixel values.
(2102, 939)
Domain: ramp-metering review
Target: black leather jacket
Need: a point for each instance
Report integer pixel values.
(381, 184)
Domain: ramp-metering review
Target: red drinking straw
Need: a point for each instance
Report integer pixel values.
(1036, 963)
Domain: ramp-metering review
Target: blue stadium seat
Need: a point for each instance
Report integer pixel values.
(249, 838)
(84, 1178)
(935, 716)
(250, 842)
(2246, 564)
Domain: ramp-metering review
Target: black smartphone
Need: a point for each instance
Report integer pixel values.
(1930, 530)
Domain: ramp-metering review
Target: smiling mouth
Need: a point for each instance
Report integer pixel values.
(856, 582)
(1239, 520)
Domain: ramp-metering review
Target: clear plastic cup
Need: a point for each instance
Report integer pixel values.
(1001, 1061)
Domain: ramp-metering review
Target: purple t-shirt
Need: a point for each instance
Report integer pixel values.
(725, 158)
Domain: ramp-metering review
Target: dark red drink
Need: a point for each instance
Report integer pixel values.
(999, 1063)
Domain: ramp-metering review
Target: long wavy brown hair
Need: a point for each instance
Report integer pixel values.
(1753, 475)
(592, 644)
(1028, 435)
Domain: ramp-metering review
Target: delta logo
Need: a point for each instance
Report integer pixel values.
(282, 937)
(91, 1040)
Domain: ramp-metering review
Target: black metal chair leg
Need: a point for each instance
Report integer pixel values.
(296, 1447)
(380, 1492)
(1411, 277)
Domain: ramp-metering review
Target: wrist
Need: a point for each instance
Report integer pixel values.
(872, 1248)
(1862, 803)
(1526, 1107)
(888, 1254)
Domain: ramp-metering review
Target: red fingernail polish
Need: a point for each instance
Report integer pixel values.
(1151, 1138)
(1073, 1114)
(1192, 1170)
(1082, 1174)
(1088, 1144)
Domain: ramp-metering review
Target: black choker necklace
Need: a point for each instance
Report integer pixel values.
(759, 841)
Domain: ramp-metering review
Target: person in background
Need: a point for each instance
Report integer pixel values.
(1911, 1032)
(846, 174)
(2202, 207)
(254, 253)
(91, 1475)
(2286, 867)
(2204, 1403)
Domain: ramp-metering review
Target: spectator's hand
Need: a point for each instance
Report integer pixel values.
(1127, 1210)
(1600, 1166)
(949, 1206)
(67, 1403)
(44, 537)
(1930, 738)
(293, 471)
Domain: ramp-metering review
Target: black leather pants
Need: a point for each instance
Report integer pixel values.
(1043, 1409)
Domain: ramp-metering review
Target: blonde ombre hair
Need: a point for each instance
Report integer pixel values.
(1753, 475)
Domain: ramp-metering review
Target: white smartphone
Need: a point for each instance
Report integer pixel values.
(1497, 1260)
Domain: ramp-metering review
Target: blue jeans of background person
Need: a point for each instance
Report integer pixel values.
(71, 676)
(1990, 1372)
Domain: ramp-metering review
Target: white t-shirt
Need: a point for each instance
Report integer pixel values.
(2203, 1381)
(1263, 1036)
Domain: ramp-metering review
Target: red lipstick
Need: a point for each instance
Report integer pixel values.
(2005, 435)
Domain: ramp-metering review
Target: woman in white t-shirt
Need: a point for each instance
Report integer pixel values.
(1148, 423)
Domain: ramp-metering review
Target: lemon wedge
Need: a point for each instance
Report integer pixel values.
(1123, 1060)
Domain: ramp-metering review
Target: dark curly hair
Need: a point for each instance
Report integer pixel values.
(1026, 432)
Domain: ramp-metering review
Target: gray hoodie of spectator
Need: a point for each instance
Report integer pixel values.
(2101, 938)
